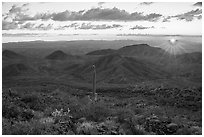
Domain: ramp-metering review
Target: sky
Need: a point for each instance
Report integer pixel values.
(50, 19)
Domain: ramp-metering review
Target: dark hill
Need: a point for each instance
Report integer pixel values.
(8, 54)
(58, 55)
(114, 68)
(140, 50)
(102, 52)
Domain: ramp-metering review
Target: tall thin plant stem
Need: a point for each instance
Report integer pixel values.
(94, 83)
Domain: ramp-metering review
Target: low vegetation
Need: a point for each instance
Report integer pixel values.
(141, 111)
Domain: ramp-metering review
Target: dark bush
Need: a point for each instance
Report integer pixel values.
(11, 111)
(124, 114)
(27, 114)
(34, 102)
(6, 127)
(184, 131)
(95, 111)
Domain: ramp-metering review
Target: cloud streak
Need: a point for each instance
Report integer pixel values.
(199, 4)
(98, 27)
(188, 16)
(146, 3)
(141, 27)
(9, 25)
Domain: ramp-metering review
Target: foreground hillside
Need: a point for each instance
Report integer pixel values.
(120, 111)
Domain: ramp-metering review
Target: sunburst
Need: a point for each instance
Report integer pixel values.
(174, 46)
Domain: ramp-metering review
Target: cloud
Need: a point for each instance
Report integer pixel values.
(146, 3)
(88, 26)
(199, 4)
(9, 25)
(98, 27)
(27, 26)
(19, 13)
(73, 25)
(188, 16)
(141, 27)
(19, 34)
(33, 26)
(25, 5)
(100, 4)
(44, 27)
(94, 14)
(42, 16)
(166, 19)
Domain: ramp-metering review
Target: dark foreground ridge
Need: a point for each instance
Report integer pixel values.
(132, 111)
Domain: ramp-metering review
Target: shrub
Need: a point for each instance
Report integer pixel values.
(138, 130)
(33, 101)
(95, 111)
(11, 111)
(124, 114)
(195, 130)
(21, 128)
(33, 127)
(27, 114)
(184, 131)
(6, 127)
(86, 128)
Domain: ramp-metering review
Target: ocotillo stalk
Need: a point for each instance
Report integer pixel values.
(94, 83)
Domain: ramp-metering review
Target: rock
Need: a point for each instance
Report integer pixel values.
(139, 130)
(81, 120)
(108, 127)
(112, 118)
(47, 120)
(139, 118)
(114, 133)
(158, 126)
(165, 119)
(121, 131)
(154, 117)
(87, 128)
(172, 127)
(196, 130)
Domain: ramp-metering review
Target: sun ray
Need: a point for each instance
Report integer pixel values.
(174, 46)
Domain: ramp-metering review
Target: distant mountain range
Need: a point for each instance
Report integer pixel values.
(132, 50)
(102, 52)
(114, 68)
(152, 54)
(129, 64)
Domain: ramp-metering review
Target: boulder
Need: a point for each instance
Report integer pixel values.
(172, 127)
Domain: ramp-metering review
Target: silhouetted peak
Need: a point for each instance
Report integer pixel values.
(57, 55)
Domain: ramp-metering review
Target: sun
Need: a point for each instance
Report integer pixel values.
(173, 41)
(174, 46)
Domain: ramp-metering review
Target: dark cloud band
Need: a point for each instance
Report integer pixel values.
(90, 15)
